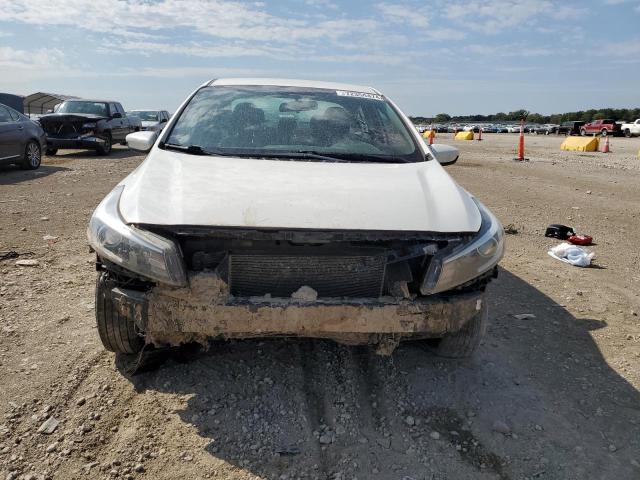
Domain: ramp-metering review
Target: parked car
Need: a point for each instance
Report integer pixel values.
(601, 127)
(571, 127)
(154, 120)
(88, 124)
(631, 129)
(546, 129)
(265, 209)
(21, 140)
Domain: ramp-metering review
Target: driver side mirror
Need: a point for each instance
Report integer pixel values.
(141, 141)
(164, 120)
(116, 115)
(445, 154)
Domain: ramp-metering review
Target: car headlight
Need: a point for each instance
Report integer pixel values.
(89, 125)
(140, 251)
(467, 261)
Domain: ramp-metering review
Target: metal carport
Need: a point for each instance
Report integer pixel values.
(41, 102)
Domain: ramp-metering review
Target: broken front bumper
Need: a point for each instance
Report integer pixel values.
(87, 142)
(205, 309)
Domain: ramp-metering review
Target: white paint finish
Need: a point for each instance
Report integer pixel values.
(289, 82)
(172, 188)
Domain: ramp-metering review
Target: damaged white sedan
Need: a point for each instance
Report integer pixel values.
(293, 209)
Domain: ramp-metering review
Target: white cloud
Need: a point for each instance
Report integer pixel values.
(403, 14)
(496, 16)
(42, 58)
(215, 18)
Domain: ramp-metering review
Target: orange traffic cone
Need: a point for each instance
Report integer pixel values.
(455, 132)
(431, 136)
(480, 134)
(606, 149)
(520, 157)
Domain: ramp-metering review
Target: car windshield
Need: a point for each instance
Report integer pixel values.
(92, 108)
(267, 121)
(147, 115)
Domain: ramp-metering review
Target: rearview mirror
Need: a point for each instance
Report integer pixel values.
(116, 115)
(141, 141)
(445, 154)
(302, 105)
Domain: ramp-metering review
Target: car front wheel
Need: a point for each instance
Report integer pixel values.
(32, 156)
(627, 133)
(51, 151)
(117, 332)
(105, 148)
(464, 342)
(583, 132)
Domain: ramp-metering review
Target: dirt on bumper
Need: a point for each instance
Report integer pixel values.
(205, 309)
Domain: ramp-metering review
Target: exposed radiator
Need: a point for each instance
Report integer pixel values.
(330, 276)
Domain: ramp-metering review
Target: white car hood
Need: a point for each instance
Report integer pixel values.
(149, 123)
(172, 188)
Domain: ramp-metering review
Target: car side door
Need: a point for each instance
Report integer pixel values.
(164, 118)
(127, 123)
(11, 135)
(116, 122)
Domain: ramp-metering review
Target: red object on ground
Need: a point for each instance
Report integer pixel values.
(431, 135)
(580, 239)
(480, 134)
(606, 149)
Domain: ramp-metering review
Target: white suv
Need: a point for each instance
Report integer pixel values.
(292, 208)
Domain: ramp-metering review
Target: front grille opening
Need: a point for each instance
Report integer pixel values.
(257, 267)
(330, 276)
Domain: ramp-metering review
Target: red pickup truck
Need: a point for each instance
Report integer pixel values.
(602, 127)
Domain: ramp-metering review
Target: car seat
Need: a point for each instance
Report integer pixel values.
(331, 126)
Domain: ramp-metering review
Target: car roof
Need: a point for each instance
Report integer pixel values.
(90, 100)
(289, 82)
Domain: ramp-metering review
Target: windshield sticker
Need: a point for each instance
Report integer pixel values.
(370, 96)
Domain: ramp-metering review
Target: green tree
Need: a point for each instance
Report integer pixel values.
(443, 118)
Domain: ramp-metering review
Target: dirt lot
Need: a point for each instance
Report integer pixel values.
(553, 396)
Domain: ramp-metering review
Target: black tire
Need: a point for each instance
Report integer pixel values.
(627, 133)
(604, 132)
(463, 343)
(117, 333)
(105, 149)
(583, 132)
(51, 151)
(32, 156)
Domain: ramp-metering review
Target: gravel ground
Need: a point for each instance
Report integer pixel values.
(551, 396)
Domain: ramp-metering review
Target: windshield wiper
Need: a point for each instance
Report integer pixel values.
(193, 149)
(311, 154)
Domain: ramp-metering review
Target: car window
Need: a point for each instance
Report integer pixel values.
(5, 117)
(146, 115)
(85, 107)
(121, 110)
(260, 119)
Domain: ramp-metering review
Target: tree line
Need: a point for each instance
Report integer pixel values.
(628, 114)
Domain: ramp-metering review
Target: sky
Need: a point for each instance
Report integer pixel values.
(456, 57)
